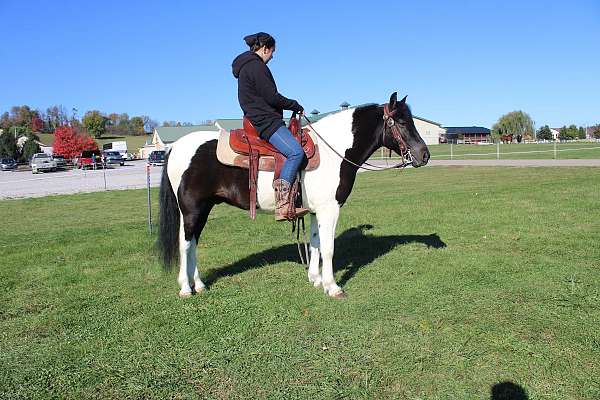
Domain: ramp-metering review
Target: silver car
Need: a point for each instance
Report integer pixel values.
(8, 163)
(113, 157)
(42, 162)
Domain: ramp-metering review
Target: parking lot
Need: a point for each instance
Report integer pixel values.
(19, 184)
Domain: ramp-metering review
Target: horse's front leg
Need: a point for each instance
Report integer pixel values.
(314, 275)
(327, 218)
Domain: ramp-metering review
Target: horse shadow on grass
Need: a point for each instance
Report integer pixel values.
(508, 391)
(353, 250)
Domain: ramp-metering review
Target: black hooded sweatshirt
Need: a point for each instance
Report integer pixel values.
(258, 95)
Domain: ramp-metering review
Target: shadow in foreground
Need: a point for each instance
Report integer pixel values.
(353, 250)
(508, 391)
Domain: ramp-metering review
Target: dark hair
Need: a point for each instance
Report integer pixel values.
(258, 40)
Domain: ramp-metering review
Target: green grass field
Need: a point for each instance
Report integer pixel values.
(514, 151)
(133, 142)
(457, 279)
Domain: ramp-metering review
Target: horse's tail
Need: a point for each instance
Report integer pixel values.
(168, 233)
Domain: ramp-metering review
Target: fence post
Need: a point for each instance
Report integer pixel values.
(451, 150)
(149, 199)
(104, 173)
(498, 151)
(555, 154)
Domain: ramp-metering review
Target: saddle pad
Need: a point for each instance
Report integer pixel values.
(227, 156)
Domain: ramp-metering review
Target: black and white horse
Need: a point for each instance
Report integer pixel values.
(193, 181)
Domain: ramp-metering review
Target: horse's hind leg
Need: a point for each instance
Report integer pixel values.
(191, 226)
(199, 226)
(187, 250)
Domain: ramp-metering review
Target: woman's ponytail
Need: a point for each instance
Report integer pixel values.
(258, 40)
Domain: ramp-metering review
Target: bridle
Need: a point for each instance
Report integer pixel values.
(388, 123)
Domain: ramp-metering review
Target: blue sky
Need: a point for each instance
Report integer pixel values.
(459, 62)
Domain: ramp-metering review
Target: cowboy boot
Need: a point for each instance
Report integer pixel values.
(284, 204)
(295, 212)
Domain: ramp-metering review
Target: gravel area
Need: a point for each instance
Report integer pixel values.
(19, 184)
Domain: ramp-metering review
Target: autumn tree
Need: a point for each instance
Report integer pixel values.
(137, 125)
(94, 123)
(69, 143)
(37, 124)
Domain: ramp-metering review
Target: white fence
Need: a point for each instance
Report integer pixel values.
(497, 153)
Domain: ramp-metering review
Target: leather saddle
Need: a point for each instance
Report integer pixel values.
(245, 149)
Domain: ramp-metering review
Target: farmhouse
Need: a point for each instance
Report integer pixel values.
(164, 137)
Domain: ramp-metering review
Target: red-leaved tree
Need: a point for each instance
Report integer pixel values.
(69, 143)
(37, 124)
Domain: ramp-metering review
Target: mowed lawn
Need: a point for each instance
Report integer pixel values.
(458, 279)
(517, 151)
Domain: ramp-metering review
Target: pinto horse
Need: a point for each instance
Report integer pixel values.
(193, 181)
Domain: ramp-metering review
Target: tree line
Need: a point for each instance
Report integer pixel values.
(520, 125)
(95, 123)
(21, 125)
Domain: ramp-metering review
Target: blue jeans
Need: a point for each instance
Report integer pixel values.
(284, 141)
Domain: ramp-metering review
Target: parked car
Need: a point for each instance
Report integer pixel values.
(60, 160)
(113, 157)
(8, 163)
(157, 157)
(89, 159)
(42, 162)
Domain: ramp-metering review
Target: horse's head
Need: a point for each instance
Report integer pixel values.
(400, 134)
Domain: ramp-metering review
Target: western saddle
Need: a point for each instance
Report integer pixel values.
(256, 154)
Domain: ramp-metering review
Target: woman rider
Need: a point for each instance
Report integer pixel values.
(263, 106)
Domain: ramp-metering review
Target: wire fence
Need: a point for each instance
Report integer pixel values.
(497, 153)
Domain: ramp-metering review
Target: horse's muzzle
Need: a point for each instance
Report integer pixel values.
(421, 158)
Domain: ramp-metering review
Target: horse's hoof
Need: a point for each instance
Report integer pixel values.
(200, 290)
(338, 295)
(185, 295)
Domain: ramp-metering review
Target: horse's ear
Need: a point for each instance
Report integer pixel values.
(403, 101)
(393, 100)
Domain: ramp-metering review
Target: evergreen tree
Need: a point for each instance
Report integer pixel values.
(8, 145)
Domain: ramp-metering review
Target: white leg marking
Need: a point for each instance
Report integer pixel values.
(186, 267)
(198, 284)
(314, 274)
(327, 218)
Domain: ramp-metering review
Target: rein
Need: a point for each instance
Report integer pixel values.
(405, 155)
(388, 122)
